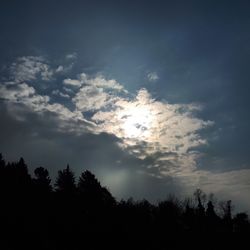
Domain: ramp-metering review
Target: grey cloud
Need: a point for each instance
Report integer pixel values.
(23, 94)
(71, 56)
(147, 127)
(59, 69)
(228, 185)
(27, 68)
(152, 76)
(144, 126)
(98, 81)
(90, 98)
(59, 93)
(53, 149)
(72, 82)
(200, 52)
(148, 138)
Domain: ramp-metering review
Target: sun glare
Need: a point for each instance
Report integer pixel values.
(136, 122)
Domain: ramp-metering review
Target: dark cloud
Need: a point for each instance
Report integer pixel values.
(119, 170)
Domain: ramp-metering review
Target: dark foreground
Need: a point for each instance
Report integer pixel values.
(85, 215)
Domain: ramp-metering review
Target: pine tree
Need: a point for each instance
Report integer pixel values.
(65, 181)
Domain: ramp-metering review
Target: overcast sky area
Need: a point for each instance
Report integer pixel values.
(151, 96)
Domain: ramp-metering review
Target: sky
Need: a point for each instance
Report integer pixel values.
(151, 96)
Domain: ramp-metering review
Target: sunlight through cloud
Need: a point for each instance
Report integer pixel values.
(166, 135)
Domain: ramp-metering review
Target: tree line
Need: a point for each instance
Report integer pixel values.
(74, 213)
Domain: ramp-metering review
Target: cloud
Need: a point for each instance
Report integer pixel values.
(22, 94)
(90, 98)
(227, 185)
(72, 82)
(65, 68)
(95, 92)
(148, 127)
(152, 139)
(60, 68)
(98, 81)
(31, 68)
(59, 93)
(71, 56)
(152, 76)
(164, 134)
(68, 90)
(28, 68)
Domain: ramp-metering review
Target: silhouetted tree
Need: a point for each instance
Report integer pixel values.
(58, 219)
(200, 197)
(20, 180)
(241, 223)
(2, 173)
(228, 210)
(65, 181)
(2, 162)
(107, 197)
(211, 217)
(189, 214)
(210, 209)
(88, 182)
(42, 180)
(4, 181)
(226, 207)
(92, 191)
(169, 212)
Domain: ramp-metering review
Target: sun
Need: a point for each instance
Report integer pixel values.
(136, 122)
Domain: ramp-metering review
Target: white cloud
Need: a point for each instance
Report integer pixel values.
(65, 68)
(152, 76)
(147, 126)
(59, 69)
(72, 82)
(29, 68)
(22, 93)
(101, 82)
(71, 56)
(46, 73)
(90, 98)
(59, 93)
(94, 93)
(165, 137)
(68, 90)
(16, 92)
(98, 81)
